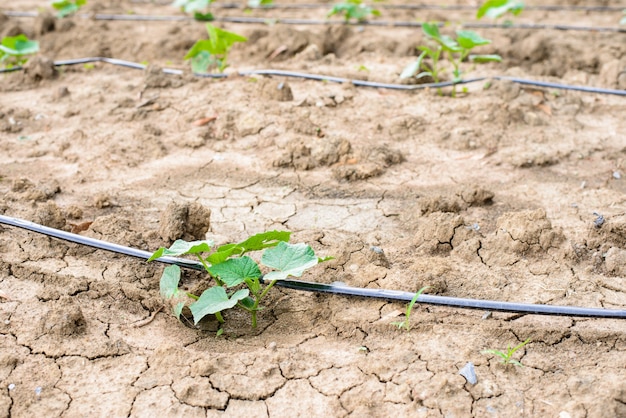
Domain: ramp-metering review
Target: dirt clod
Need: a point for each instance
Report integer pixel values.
(189, 221)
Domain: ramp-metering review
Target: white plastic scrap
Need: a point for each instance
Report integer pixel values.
(469, 373)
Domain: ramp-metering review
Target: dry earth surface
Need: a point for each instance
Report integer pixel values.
(495, 194)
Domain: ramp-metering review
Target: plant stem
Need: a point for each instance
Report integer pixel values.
(218, 316)
(255, 307)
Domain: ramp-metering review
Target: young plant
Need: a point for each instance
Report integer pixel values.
(253, 4)
(507, 358)
(406, 324)
(623, 21)
(495, 9)
(199, 8)
(67, 7)
(353, 9)
(456, 50)
(13, 50)
(238, 278)
(213, 52)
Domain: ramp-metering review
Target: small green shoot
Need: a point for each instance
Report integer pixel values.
(353, 10)
(238, 279)
(456, 50)
(253, 4)
(623, 21)
(495, 9)
(507, 358)
(199, 8)
(406, 324)
(67, 7)
(213, 52)
(13, 50)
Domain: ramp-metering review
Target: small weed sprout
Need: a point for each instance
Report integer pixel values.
(456, 50)
(199, 8)
(353, 10)
(507, 358)
(213, 52)
(237, 276)
(623, 21)
(495, 9)
(67, 7)
(13, 50)
(406, 324)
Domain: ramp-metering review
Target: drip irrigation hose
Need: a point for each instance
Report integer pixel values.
(395, 6)
(292, 21)
(319, 77)
(336, 288)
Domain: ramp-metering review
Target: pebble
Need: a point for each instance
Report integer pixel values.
(469, 373)
(11, 386)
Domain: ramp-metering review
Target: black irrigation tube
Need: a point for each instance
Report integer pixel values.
(335, 289)
(318, 77)
(318, 22)
(396, 6)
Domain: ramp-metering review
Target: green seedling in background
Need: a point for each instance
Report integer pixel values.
(199, 8)
(259, 3)
(237, 276)
(456, 50)
(507, 358)
(13, 50)
(495, 9)
(353, 9)
(213, 52)
(67, 7)
(623, 21)
(406, 324)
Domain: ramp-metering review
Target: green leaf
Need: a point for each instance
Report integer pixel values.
(215, 300)
(412, 69)
(469, 39)
(264, 240)
(221, 40)
(169, 282)
(203, 17)
(259, 3)
(236, 270)
(178, 309)
(192, 5)
(485, 58)
(254, 243)
(67, 7)
(496, 8)
(248, 302)
(431, 30)
(18, 45)
(180, 247)
(289, 260)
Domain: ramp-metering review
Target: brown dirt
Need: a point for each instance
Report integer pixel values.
(489, 195)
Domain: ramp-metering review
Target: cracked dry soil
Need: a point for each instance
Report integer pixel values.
(490, 195)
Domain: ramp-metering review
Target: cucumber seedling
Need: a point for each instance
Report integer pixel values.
(199, 8)
(238, 280)
(14, 49)
(507, 357)
(67, 7)
(254, 4)
(406, 324)
(456, 50)
(207, 54)
(495, 9)
(353, 10)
